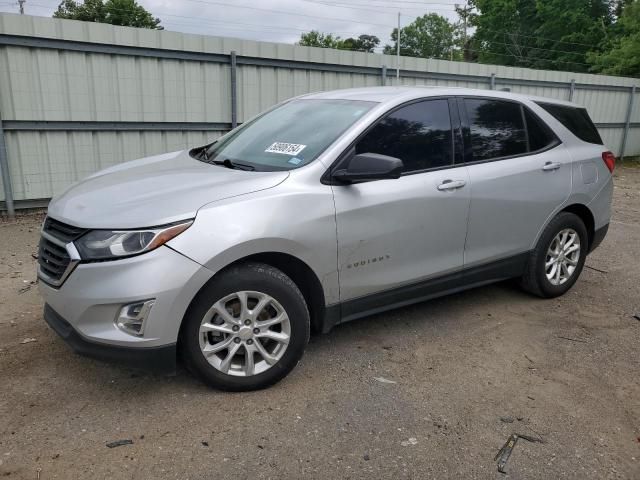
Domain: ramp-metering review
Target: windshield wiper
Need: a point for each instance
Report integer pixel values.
(234, 165)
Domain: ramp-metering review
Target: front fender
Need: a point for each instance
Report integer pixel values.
(296, 221)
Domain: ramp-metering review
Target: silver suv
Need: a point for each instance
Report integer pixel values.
(326, 208)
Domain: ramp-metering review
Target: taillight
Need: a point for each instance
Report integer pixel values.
(609, 160)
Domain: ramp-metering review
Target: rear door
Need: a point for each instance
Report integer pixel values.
(398, 232)
(519, 172)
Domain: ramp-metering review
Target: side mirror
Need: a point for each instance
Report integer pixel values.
(369, 166)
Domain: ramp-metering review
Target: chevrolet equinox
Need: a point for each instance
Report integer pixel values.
(326, 208)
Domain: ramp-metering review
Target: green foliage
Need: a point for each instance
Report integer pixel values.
(364, 43)
(621, 55)
(466, 17)
(581, 24)
(116, 12)
(549, 34)
(429, 36)
(314, 38)
(503, 30)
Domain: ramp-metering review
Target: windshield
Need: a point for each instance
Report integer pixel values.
(288, 136)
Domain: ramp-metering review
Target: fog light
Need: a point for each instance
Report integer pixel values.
(132, 317)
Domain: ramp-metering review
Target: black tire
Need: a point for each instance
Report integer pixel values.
(535, 280)
(246, 277)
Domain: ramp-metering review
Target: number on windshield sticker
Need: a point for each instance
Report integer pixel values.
(285, 148)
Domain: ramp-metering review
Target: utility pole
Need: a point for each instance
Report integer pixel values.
(398, 53)
(464, 13)
(21, 3)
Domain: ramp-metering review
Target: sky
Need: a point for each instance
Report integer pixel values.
(275, 20)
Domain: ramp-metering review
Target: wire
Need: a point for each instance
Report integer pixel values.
(220, 23)
(489, 41)
(400, 3)
(551, 60)
(542, 38)
(361, 6)
(327, 2)
(289, 13)
(263, 29)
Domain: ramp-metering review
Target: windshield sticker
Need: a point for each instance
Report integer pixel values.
(295, 161)
(285, 148)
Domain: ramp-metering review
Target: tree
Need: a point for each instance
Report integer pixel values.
(364, 43)
(465, 41)
(577, 26)
(314, 38)
(549, 34)
(429, 36)
(621, 55)
(116, 12)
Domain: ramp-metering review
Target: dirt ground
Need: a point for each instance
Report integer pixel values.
(470, 369)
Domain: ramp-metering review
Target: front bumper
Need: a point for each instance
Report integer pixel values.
(88, 302)
(156, 359)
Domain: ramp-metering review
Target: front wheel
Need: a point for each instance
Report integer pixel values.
(247, 328)
(558, 258)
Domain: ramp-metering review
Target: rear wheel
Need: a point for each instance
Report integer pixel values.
(557, 261)
(247, 329)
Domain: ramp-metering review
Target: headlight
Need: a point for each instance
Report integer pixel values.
(113, 244)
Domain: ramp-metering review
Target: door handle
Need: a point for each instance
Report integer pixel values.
(451, 185)
(551, 166)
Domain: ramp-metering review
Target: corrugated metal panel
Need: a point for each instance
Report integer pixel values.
(604, 106)
(45, 163)
(612, 137)
(117, 85)
(635, 113)
(54, 85)
(633, 141)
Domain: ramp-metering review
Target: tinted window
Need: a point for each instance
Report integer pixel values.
(540, 135)
(497, 128)
(576, 120)
(419, 134)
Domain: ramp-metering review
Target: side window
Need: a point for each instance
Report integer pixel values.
(497, 128)
(419, 134)
(540, 135)
(576, 120)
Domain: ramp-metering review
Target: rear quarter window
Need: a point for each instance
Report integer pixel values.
(576, 120)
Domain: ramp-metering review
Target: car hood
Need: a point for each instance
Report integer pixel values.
(154, 191)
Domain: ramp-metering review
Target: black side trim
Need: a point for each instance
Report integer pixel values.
(426, 290)
(155, 359)
(598, 237)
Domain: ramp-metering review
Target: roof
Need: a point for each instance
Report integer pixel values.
(406, 93)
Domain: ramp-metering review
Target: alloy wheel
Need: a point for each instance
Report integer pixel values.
(562, 256)
(244, 333)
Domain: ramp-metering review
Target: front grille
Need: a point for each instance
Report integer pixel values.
(63, 232)
(53, 258)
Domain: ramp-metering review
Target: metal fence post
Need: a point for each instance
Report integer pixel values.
(492, 81)
(384, 75)
(4, 171)
(234, 91)
(623, 145)
(572, 89)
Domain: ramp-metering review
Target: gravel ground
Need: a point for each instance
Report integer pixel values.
(469, 370)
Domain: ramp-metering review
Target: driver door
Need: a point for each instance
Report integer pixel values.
(395, 235)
